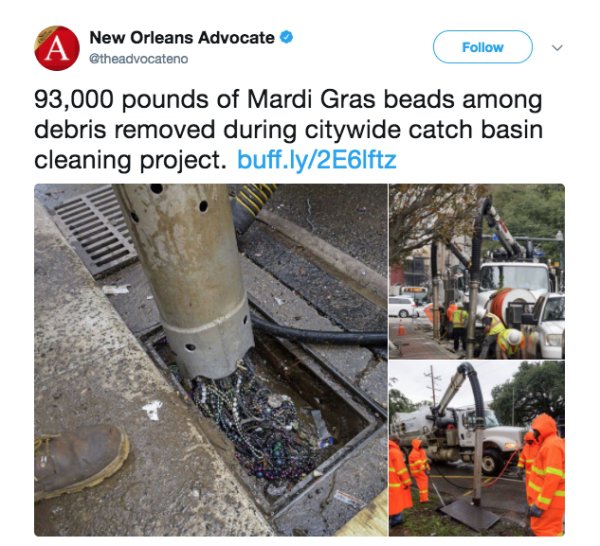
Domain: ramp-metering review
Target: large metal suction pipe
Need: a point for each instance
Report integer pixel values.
(185, 240)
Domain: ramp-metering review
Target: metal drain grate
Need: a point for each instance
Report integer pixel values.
(95, 228)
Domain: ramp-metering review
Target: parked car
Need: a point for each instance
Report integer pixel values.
(544, 328)
(401, 306)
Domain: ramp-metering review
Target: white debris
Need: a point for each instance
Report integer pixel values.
(152, 409)
(279, 301)
(113, 289)
(149, 297)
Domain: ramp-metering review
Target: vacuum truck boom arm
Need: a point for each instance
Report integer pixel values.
(510, 244)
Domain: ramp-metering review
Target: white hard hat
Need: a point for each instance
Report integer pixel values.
(514, 337)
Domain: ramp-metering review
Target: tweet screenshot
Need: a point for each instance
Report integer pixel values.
(299, 269)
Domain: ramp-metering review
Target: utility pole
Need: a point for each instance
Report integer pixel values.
(513, 407)
(434, 379)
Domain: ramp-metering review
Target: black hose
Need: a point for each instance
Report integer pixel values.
(319, 336)
(467, 369)
(484, 205)
(451, 483)
(248, 202)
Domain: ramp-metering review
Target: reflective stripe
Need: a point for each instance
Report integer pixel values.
(395, 485)
(497, 326)
(459, 318)
(538, 489)
(543, 500)
(505, 344)
(406, 482)
(555, 471)
(402, 471)
(423, 491)
(548, 470)
(391, 469)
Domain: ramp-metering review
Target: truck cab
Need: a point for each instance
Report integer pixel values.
(499, 442)
(531, 276)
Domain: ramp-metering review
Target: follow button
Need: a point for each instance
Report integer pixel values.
(483, 46)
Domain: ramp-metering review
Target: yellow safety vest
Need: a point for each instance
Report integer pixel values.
(497, 326)
(459, 318)
(509, 349)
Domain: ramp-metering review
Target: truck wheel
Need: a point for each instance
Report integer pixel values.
(403, 313)
(491, 462)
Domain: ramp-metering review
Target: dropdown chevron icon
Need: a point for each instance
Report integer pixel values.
(557, 48)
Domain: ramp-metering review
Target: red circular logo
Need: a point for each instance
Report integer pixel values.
(56, 48)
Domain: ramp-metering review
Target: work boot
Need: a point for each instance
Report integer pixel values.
(396, 520)
(72, 461)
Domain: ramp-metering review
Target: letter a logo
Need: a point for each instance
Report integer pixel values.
(56, 48)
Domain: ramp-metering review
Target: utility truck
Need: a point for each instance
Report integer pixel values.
(450, 434)
(507, 282)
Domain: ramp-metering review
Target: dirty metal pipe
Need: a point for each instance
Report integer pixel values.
(185, 239)
(475, 274)
(435, 285)
(470, 372)
(455, 383)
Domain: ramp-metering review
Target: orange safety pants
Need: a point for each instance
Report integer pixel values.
(399, 499)
(550, 524)
(422, 481)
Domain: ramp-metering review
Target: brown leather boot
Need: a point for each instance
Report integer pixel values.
(72, 461)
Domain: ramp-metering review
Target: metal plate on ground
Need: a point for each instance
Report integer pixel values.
(94, 226)
(474, 517)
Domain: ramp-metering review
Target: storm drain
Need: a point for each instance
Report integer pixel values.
(287, 370)
(94, 226)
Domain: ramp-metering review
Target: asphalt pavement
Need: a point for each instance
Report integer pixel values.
(504, 494)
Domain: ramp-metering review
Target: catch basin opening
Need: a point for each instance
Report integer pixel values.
(330, 417)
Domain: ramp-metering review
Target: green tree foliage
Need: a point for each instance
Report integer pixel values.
(532, 210)
(400, 403)
(420, 213)
(538, 388)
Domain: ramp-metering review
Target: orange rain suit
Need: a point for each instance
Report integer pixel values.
(547, 478)
(417, 461)
(526, 458)
(398, 481)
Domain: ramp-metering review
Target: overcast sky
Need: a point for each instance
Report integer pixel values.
(413, 384)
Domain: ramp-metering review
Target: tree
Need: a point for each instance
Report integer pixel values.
(400, 403)
(421, 213)
(537, 387)
(532, 210)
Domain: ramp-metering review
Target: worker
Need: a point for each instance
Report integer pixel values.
(399, 482)
(459, 326)
(547, 479)
(450, 311)
(510, 344)
(419, 468)
(492, 327)
(526, 458)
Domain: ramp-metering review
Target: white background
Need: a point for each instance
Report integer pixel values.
(354, 47)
